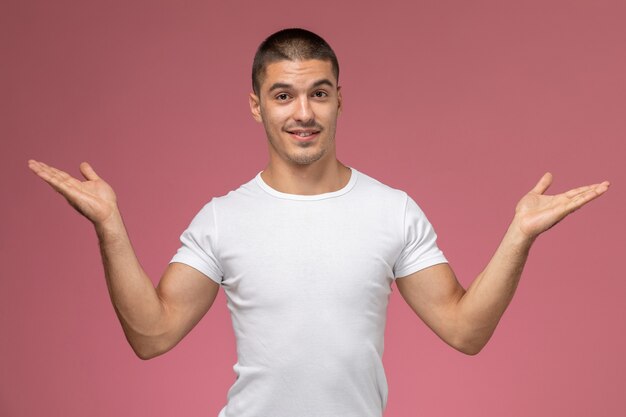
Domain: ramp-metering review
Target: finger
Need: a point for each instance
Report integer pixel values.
(59, 180)
(35, 166)
(576, 191)
(543, 184)
(56, 174)
(589, 195)
(88, 172)
(41, 169)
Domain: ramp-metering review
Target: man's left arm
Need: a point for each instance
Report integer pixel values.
(466, 319)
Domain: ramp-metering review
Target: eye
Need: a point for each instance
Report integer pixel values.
(282, 96)
(320, 94)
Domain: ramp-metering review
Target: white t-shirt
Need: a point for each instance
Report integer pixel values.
(307, 280)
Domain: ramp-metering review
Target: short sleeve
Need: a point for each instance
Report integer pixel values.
(420, 243)
(199, 241)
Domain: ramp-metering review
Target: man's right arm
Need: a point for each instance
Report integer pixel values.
(154, 319)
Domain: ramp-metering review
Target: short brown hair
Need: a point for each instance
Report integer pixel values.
(291, 45)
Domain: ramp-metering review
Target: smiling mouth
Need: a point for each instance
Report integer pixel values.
(303, 134)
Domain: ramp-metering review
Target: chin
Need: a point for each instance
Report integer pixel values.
(306, 159)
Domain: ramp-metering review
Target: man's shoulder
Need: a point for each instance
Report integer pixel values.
(372, 185)
(232, 198)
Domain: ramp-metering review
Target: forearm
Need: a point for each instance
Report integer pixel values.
(484, 302)
(134, 297)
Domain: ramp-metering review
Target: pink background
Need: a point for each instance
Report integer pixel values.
(462, 104)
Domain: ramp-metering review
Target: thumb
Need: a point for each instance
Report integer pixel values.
(543, 184)
(88, 172)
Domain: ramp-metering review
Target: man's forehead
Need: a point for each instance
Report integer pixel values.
(301, 72)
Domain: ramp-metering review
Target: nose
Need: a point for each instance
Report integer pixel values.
(304, 112)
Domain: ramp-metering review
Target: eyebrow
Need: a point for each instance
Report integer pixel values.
(280, 86)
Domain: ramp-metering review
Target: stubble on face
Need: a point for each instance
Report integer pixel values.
(302, 157)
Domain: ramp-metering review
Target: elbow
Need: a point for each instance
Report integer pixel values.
(148, 342)
(470, 350)
(149, 348)
(471, 338)
(469, 345)
(145, 355)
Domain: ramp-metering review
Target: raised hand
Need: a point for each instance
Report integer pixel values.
(536, 212)
(93, 198)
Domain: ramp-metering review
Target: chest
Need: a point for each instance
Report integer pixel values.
(302, 254)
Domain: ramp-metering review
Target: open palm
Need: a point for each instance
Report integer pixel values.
(537, 212)
(93, 198)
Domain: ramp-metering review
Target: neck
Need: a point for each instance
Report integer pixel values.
(312, 179)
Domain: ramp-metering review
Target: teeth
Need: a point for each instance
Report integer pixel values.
(304, 134)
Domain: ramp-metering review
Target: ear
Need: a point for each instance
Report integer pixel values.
(255, 107)
(339, 100)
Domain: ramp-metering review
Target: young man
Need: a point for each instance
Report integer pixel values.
(307, 252)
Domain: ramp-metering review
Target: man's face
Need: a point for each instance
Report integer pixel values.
(298, 104)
